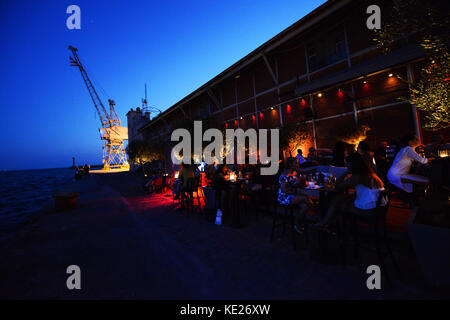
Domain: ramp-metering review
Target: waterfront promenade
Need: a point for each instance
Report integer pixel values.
(135, 246)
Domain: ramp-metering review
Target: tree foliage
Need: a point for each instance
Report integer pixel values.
(293, 136)
(141, 151)
(428, 21)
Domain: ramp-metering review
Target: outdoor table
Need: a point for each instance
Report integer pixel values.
(322, 191)
(238, 218)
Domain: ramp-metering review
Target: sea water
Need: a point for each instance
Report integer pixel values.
(24, 192)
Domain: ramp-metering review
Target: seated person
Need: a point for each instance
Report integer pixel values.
(367, 154)
(403, 162)
(287, 196)
(299, 157)
(313, 156)
(184, 174)
(340, 153)
(367, 186)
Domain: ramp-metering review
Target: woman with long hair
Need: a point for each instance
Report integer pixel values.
(366, 183)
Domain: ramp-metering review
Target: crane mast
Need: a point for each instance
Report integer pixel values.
(111, 130)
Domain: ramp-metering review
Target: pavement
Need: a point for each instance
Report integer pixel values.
(134, 246)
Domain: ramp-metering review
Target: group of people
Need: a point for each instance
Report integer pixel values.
(368, 171)
(82, 171)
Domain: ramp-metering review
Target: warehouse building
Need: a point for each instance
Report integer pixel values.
(324, 70)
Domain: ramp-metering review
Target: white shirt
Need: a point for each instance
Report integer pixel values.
(401, 166)
(366, 198)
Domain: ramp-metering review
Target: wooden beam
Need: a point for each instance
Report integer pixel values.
(272, 74)
(214, 98)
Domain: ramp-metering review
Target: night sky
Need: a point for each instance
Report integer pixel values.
(47, 116)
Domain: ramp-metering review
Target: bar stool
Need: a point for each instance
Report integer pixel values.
(375, 218)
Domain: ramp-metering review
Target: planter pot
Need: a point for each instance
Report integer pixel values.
(432, 247)
(66, 201)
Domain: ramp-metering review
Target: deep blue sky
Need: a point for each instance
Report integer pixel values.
(174, 46)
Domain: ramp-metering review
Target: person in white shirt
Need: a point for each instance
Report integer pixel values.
(367, 185)
(299, 157)
(403, 162)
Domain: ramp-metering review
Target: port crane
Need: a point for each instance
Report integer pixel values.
(111, 131)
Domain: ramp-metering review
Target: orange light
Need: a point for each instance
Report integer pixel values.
(319, 95)
(365, 82)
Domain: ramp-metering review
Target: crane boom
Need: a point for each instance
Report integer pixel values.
(111, 131)
(75, 61)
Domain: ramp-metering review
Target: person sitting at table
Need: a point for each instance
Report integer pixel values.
(299, 157)
(313, 156)
(403, 162)
(287, 196)
(340, 152)
(366, 183)
(180, 183)
(367, 154)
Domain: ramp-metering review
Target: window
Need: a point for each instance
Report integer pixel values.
(329, 49)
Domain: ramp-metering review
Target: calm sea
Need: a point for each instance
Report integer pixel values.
(23, 193)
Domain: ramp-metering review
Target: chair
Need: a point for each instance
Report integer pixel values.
(286, 214)
(375, 218)
(192, 186)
